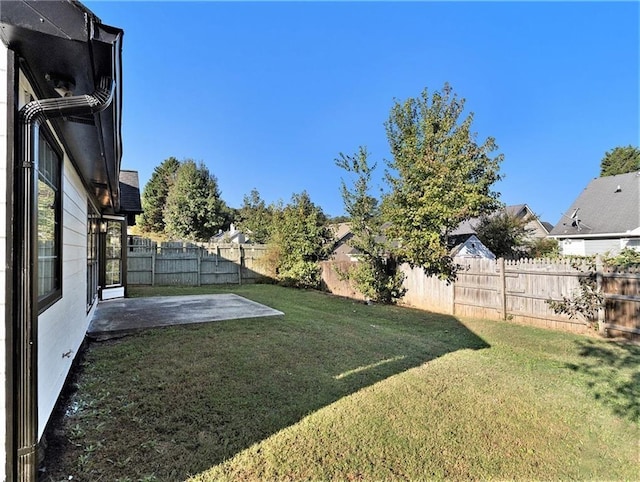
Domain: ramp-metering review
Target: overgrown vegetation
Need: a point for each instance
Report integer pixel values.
(340, 390)
(375, 274)
(299, 239)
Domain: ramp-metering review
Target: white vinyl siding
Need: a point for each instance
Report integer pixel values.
(572, 247)
(3, 251)
(591, 246)
(601, 246)
(62, 327)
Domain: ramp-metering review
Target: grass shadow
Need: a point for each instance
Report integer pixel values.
(172, 402)
(612, 374)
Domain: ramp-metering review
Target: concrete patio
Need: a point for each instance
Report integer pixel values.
(126, 315)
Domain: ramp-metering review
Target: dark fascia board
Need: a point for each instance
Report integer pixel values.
(65, 39)
(61, 19)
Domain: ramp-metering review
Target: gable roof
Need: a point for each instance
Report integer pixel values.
(469, 226)
(608, 205)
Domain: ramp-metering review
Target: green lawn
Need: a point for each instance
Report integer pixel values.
(340, 390)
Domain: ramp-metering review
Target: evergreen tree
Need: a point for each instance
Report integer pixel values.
(439, 177)
(620, 160)
(154, 196)
(255, 217)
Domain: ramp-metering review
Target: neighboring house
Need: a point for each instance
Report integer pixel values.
(472, 247)
(232, 236)
(63, 226)
(605, 218)
(342, 250)
(537, 229)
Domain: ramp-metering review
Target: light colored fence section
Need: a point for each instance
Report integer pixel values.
(427, 292)
(187, 264)
(518, 291)
(530, 283)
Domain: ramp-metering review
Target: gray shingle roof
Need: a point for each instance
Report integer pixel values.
(607, 205)
(130, 192)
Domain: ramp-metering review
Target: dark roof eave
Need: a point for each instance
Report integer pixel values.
(84, 50)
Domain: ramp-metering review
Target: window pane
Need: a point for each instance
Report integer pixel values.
(46, 239)
(113, 272)
(113, 253)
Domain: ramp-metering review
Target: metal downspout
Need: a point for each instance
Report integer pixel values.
(26, 267)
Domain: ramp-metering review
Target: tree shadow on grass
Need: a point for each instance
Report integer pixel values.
(612, 373)
(174, 402)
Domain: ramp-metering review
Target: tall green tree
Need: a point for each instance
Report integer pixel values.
(298, 241)
(506, 235)
(620, 160)
(195, 210)
(375, 274)
(439, 176)
(154, 196)
(254, 217)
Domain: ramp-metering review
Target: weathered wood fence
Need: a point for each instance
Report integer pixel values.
(516, 291)
(187, 264)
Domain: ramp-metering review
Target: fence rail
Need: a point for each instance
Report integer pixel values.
(517, 291)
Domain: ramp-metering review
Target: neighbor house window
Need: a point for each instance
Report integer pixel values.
(49, 223)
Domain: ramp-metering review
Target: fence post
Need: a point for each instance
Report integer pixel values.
(453, 297)
(240, 257)
(199, 262)
(602, 328)
(503, 289)
(153, 267)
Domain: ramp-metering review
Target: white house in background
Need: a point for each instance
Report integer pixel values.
(234, 236)
(472, 247)
(63, 224)
(605, 217)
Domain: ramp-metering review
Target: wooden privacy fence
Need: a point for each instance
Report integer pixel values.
(517, 291)
(187, 264)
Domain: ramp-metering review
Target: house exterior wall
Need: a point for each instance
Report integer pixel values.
(62, 326)
(590, 247)
(3, 251)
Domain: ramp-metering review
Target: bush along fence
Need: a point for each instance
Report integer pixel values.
(188, 264)
(522, 291)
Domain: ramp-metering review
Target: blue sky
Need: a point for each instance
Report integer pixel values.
(267, 94)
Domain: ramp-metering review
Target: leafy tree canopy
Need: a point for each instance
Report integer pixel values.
(620, 160)
(439, 176)
(194, 208)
